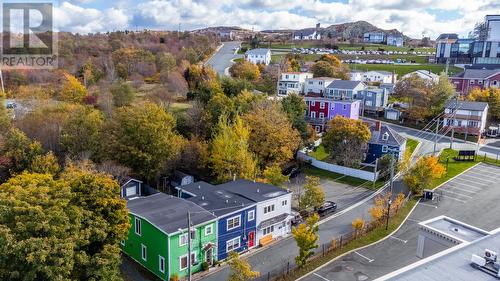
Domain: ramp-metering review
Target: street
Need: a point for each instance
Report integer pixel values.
(221, 61)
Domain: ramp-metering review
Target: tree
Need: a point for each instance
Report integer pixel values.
(306, 236)
(20, 150)
(165, 62)
(357, 225)
(347, 140)
(330, 66)
(229, 155)
(80, 136)
(323, 69)
(4, 116)
(122, 93)
(274, 176)
(421, 175)
(379, 209)
(72, 90)
(141, 137)
(294, 107)
(239, 269)
(234, 86)
(216, 107)
(245, 70)
(45, 164)
(272, 137)
(419, 94)
(491, 96)
(313, 196)
(442, 91)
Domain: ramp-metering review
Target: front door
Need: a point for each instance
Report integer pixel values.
(208, 256)
(251, 239)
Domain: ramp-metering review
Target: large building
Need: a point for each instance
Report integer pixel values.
(292, 82)
(258, 56)
(376, 37)
(466, 117)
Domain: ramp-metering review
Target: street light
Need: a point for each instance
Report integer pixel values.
(388, 213)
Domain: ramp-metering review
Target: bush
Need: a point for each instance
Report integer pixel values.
(174, 277)
(204, 266)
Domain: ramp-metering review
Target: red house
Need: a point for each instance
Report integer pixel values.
(465, 81)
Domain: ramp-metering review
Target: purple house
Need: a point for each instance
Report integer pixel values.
(320, 110)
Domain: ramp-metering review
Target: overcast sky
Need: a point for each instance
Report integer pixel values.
(413, 17)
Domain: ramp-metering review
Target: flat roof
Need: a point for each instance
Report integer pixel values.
(254, 191)
(455, 229)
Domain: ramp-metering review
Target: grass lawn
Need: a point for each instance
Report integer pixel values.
(411, 144)
(313, 171)
(319, 153)
(405, 69)
(371, 237)
(238, 60)
(179, 106)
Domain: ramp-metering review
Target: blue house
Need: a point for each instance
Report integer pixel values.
(236, 215)
(384, 140)
(373, 100)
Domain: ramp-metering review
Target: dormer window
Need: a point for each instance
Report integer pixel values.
(385, 136)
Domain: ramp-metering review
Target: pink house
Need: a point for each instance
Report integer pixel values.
(469, 79)
(320, 110)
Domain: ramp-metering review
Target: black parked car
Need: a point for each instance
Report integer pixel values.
(328, 207)
(291, 171)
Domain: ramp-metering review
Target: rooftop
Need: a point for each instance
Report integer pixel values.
(476, 73)
(377, 136)
(344, 84)
(305, 32)
(467, 105)
(168, 213)
(258, 51)
(254, 191)
(455, 229)
(446, 36)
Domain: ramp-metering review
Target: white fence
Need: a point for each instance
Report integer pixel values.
(360, 174)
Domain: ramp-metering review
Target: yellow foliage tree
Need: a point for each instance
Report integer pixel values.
(306, 236)
(421, 175)
(357, 225)
(72, 90)
(245, 70)
(240, 269)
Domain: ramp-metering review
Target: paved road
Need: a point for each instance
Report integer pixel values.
(471, 197)
(221, 60)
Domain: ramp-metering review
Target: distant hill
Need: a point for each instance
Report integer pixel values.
(356, 29)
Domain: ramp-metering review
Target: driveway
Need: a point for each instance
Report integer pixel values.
(464, 198)
(221, 60)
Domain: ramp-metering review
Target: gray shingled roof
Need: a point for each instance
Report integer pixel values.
(216, 200)
(394, 138)
(168, 213)
(476, 73)
(344, 84)
(467, 105)
(258, 52)
(254, 191)
(304, 32)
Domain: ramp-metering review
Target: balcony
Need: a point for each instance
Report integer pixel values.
(316, 121)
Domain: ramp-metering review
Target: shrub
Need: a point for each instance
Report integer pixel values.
(204, 266)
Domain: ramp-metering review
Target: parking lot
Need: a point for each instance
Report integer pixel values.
(471, 197)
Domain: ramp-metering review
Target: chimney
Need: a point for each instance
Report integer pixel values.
(258, 190)
(378, 126)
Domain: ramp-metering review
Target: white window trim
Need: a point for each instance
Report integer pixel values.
(144, 250)
(322, 105)
(385, 148)
(253, 215)
(232, 218)
(211, 227)
(232, 241)
(180, 239)
(185, 256)
(140, 226)
(160, 258)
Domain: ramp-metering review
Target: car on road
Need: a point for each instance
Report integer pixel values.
(291, 171)
(297, 218)
(328, 207)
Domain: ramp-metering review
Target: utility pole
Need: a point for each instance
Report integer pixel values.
(375, 173)
(388, 213)
(392, 171)
(436, 136)
(189, 245)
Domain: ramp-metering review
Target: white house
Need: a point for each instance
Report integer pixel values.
(317, 85)
(356, 75)
(258, 56)
(466, 117)
(424, 74)
(308, 34)
(379, 76)
(292, 82)
(395, 40)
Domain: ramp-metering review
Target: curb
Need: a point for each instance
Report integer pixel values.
(215, 52)
(466, 170)
(363, 247)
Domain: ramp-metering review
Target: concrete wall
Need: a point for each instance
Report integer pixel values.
(360, 174)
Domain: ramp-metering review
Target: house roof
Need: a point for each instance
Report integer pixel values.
(254, 191)
(476, 73)
(381, 72)
(374, 32)
(344, 84)
(214, 199)
(467, 105)
(258, 51)
(446, 36)
(377, 136)
(305, 32)
(421, 72)
(168, 213)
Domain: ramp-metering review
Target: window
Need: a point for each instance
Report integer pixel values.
(138, 226)
(321, 115)
(144, 252)
(251, 215)
(284, 202)
(183, 260)
(310, 82)
(313, 114)
(161, 264)
(385, 136)
(232, 244)
(368, 103)
(369, 94)
(473, 124)
(344, 106)
(471, 82)
(183, 239)
(322, 105)
(313, 103)
(269, 209)
(480, 82)
(233, 222)
(317, 129)
(385, 148)
(268, 230)
(209, 229)
(495, 82)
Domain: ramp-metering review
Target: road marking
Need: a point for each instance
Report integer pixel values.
(462, 189)
(459, 194)
(417, 221)
(482, 178)
(369, 260)
(453, 198)
(428, 205)
(317, 275)
(399, 239)
(466, 185)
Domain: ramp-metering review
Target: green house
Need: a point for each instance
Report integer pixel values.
(158, 238)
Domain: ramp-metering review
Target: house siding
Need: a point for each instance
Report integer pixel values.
(245, 228)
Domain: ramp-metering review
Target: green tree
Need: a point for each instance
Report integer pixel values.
(346, 140)
(306, 236)
(272, 137)
(239, 269)
(142, 138)
(245, 70)
(274, 175)
(45, 164)
(330, 66)
(80, 136)
(122, 93)
(216, 107)
(295, 108)
(4, 116)
(234, 86)
(72, 90)
(165, 62)
(20, 150)
(442, 91)
(421, 175)
(313, 196)
(229, 155)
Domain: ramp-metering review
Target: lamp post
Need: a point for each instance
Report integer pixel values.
(388, 213)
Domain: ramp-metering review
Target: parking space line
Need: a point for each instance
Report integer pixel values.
(317, 275)
(369, 260)
(489, 168)
(399, 239)
(481, 176)
(453, 198)
(428, 205)
(456, 193)
(466, 185)
(462, 189)
(417, 221)
(474, 179)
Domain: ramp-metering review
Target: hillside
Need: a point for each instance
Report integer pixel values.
(355, 29)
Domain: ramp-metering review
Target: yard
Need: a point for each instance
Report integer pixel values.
(319, 153)
(411, 145)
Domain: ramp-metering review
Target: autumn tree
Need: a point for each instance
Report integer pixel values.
(122, 93)
(45, 164)
(442, 91)
(5, 119)
(234, 86)
(245, 70)
(272, 137)
(346, 140)
(19, 150)
(72, 90)
(491, 96)
(141, 137)
(423, 173)
(379, 209)
(306, 236)
(216, 107)
(239, 269)
(424, 97)
(313, 196)
(202, 83)
(274, 175)
(358, 224)
(295, 108)
(229, 155)
(165, 62)
(330, 66)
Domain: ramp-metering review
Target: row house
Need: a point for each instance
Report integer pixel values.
(384, 140)
(292, 83)
(317, 85)
(465, 117)
(373, 100)
(469, 79)
(379, 76)
(344, 89)
(320, 110)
